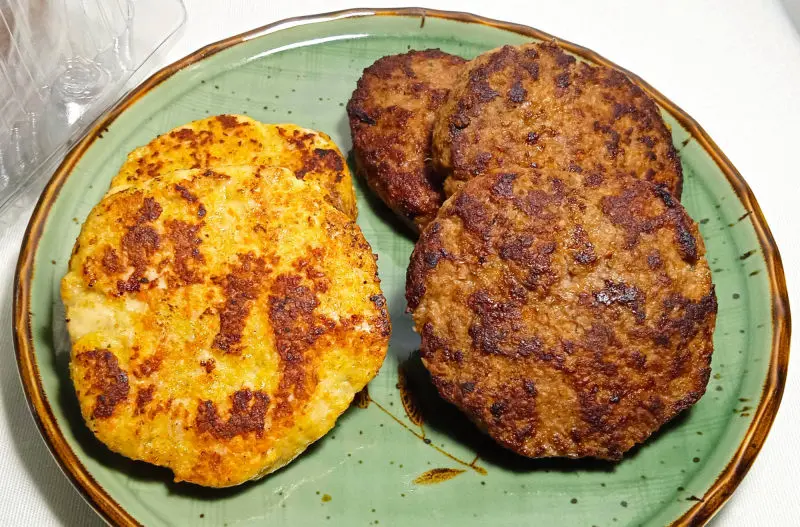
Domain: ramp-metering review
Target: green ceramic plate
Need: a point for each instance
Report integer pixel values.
(387, 462)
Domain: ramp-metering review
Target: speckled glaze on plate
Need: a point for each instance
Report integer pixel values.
(400, 456)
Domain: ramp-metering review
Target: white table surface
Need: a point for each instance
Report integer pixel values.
(734, 65)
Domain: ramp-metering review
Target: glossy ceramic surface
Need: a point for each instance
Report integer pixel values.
(400, 456)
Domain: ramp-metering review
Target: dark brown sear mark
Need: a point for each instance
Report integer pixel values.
(208, 365)
(191, 198)
(143, 398)
(624, 294)
(185, 194)
(148, 366)
(139, 243)
(535, 260)
(184, 134)
(472, 213)
(503, 187)
(228, 121)
(107, 379)
(628, 210)
(431, 251)
(111, 261)
(247, 415)
(241, 287)
(495, 321)
(361, 115)
(683, 317)
(492, 333)
(150, 211)
(320, 160)
(654, 260)
(517, 93)
(291, 312)
(583, 249)
(186, 246)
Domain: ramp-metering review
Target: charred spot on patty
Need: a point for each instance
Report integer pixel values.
(248, 410)
(107, 381)
(242, 287)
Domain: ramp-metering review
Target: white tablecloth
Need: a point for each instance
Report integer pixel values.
(734, 65)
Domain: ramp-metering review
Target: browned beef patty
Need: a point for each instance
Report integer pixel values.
(514, 108)
(391, 116)
(567, 315)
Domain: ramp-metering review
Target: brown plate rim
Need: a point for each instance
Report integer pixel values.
(719, 492)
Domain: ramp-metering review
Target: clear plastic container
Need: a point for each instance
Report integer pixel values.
(62, 64)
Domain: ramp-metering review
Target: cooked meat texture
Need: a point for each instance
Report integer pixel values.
(226, 140)
(532, 106)
(566, 316)
(391, 116)
(221, 320)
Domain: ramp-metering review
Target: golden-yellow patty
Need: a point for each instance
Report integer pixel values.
(221, 320)
(226, 140)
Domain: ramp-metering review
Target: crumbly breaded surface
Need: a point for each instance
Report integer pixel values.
(514, 108)
(566, 316)
(391, 117)
(221, 320)
(225, 140)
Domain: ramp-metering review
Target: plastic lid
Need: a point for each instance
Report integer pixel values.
(62, 64)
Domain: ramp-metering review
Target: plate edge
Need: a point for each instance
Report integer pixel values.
(719, 492)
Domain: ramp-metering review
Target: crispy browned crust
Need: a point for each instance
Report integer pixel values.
(567, 316)
(221, 320)
(391, 116)
(227, 140)
(534, 106)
